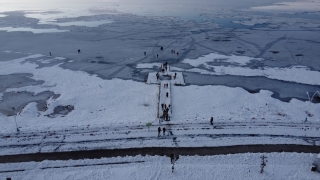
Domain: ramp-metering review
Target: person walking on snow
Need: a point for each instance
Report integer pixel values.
(164, 130)
(159, 130)
(211, 121)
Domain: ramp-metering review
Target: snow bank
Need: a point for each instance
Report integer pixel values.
(302, 5)
(197, 104)
(35, 31)
(214, 57)
(96, 101)
(239, 166)
(299, 74)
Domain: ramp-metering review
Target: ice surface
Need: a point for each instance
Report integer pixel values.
(36, 31)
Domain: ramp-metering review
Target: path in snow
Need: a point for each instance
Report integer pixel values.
(176, 78)
(162, 151)
(178, 135)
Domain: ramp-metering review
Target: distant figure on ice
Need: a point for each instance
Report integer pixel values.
(50, 53)
(177, 53)
(145, 53)
(164, 130)
(159, 130)
(211, 121)
(161, 48)
(167, 94)
(157, 55)
(78, 50)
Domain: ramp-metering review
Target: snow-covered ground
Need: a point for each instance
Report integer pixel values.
(299, 74)
(224, 167)
(102, 102)
(96, 101)
(300, 5)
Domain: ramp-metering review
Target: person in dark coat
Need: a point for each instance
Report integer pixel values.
(164, 130)
(211, 121)
(145, 53)
(50, 53)
(167, 94)
(159, 130)
(78, 50)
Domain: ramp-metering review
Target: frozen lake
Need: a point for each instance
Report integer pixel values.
(113, 36)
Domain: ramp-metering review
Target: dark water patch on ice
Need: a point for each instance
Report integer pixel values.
(61, 111)
(19, 100)
(274, 52)
(282, 90)
(7, 56)
(240, 52)
(17, 81)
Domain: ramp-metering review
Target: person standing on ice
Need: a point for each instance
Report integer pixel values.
(50, 53)
(211, 121)
(159, 131)
(164, 130)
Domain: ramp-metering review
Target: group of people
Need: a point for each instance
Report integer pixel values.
(164, 67)
(165, 114)
(164, 106)
(163, 129)
(173, 52)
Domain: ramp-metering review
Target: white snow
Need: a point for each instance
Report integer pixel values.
(80, 23)
(96, 101)
(299, 74)
(224, 167)
(36, 31)
(104, 102)
(300, 5)
(214, 57)
(225, 103)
